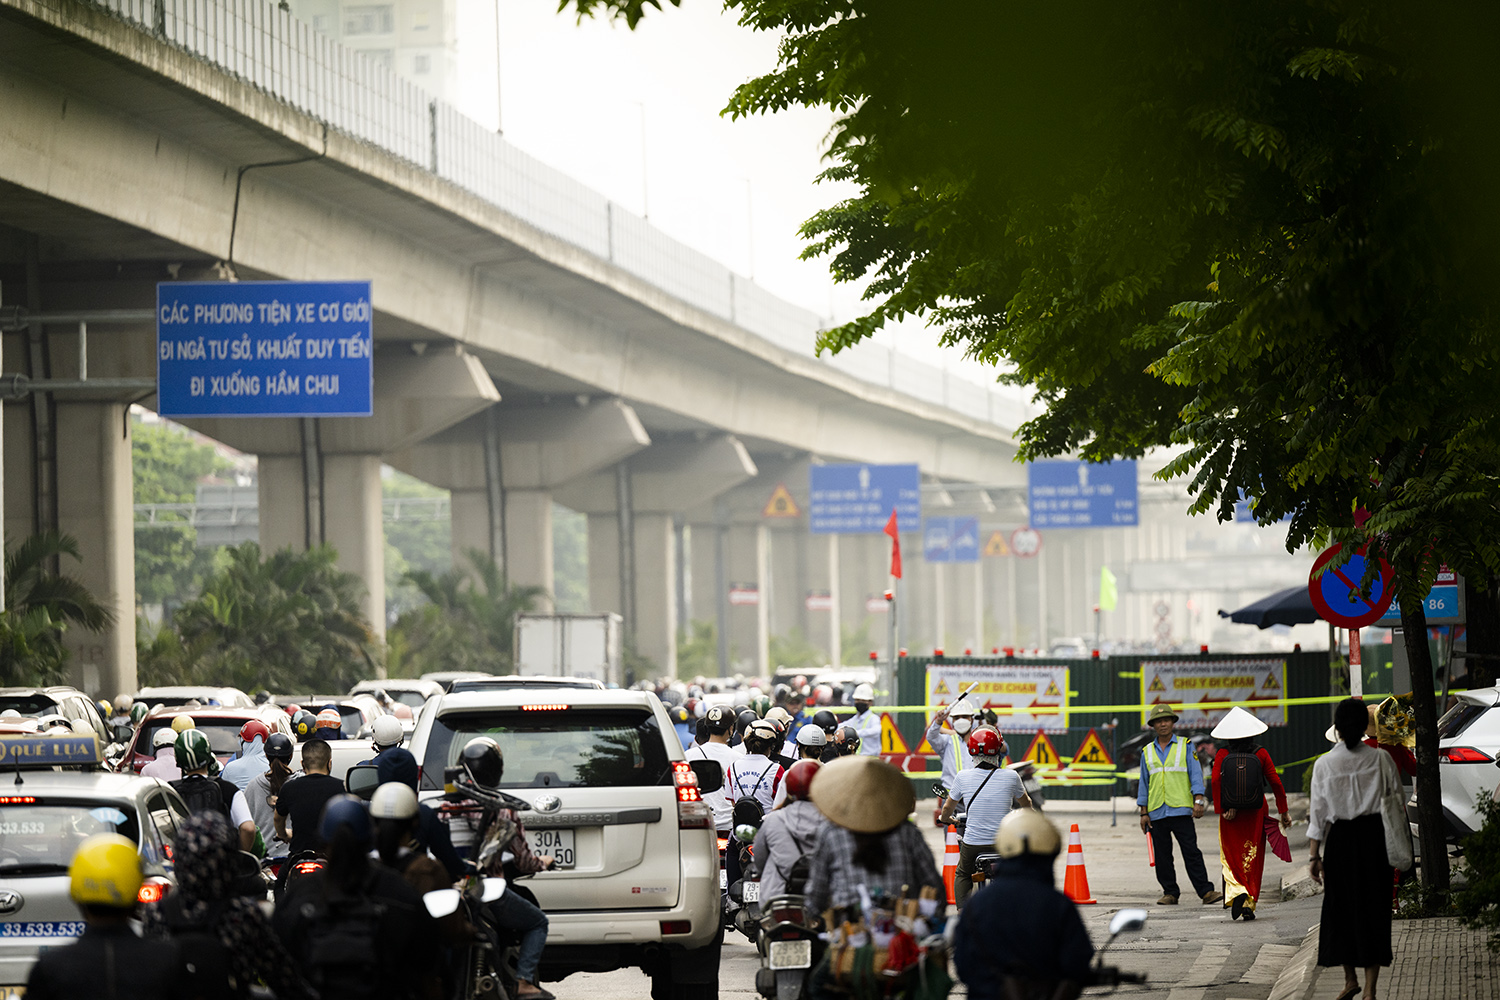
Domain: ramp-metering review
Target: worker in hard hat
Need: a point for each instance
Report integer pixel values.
(865, 721)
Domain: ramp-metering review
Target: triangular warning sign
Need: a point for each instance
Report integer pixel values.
(1156, 684)
(996, 545)
(1091, 751)
(1052, 691)
(781, 503)
(942, 687)
(926, 747)
(891, 740)
(1041, 752)
(1271, 683)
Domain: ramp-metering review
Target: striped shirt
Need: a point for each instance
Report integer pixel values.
(985, 809)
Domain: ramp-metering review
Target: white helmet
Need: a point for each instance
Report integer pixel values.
(961, 717)
(1026, 831)
(811, 735)
(779, 715)
(864, 692)
(393, 800)
(386, 732)
(163, 737)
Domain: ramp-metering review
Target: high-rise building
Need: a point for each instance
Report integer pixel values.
(416, 38)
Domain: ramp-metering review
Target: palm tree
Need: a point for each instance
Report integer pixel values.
(468, 623)
(42, 604)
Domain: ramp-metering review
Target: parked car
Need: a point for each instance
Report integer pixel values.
(614, 800)
(412, 692)
(1468, 749)
(176, 697)
(68, 702)
(220, 725)
(445, 678)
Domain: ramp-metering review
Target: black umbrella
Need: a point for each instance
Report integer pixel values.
(1291, 606)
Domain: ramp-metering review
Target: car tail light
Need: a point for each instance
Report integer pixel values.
(692, 812)
(17, 800)
(153, 890)
(676, 927)
(544, 708)
(1463, 755)
(723, 843)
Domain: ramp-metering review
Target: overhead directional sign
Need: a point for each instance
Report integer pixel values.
(857, 499)
(1337, 593)
(950, 539)
(264, 349)
(1065, 494)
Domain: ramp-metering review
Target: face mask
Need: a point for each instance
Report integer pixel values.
(962, 725)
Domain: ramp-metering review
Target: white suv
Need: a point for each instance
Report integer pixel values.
(1468, 749)
(614, 800)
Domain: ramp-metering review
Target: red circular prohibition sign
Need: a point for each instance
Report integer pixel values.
(1331, 592)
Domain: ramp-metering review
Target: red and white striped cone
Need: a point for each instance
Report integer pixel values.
(1076, 881)
(950, 861)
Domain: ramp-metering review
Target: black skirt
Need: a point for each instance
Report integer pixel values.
(1356, 927)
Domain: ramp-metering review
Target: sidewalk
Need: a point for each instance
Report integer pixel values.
(1433, 959)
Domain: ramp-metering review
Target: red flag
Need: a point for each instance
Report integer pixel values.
(890, 529)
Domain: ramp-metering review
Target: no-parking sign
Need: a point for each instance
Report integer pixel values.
(1337, 593)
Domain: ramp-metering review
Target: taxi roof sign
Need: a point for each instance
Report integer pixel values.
(47, 751)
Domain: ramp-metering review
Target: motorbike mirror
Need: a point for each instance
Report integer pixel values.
(123, 733)
(494, 888)
(710, 775)
(441, 902)
(362, 780)
(1127, 920)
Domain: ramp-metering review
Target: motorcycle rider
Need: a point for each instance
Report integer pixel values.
(119, 714)
(200, 791)
(398, 764)
(866, 722)
(108, 960)
(779, 717)
(163, 766)
(1020, 937)
(252, 758)
(987, 792)
(329, 725)
(826, 721)
(789, 833)
(393, 807)
(741, 723)
(716, 747)
(810, 742)
(954, 752)
(845, 743)
(755, 775)
(386, 734)
(253, 811)
(304, 724)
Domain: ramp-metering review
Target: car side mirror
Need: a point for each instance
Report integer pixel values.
(710, 775)
(122, 732)
(362, 780)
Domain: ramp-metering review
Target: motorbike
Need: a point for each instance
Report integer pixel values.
(296, 866)
(742, 897)
(789, 947)
(1099, 974)
(1026, 771)
(484, 973)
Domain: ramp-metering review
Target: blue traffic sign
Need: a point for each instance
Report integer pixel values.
(1336, 592)
(1442, 604)
(1066, 494)
(857, 499)
(264, 349)
(950, 539)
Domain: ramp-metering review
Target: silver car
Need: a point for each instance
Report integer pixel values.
(43, 819)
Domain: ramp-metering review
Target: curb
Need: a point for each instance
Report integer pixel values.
(1300, 975)
(1299, 884)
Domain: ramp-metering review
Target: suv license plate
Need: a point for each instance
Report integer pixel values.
(750, 891)
(558, 843)
(791, 954)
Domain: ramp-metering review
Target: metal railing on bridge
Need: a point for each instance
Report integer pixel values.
(265, 46)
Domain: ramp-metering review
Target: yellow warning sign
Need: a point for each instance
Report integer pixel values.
(926, 747)
(1271, 681)
(996, 545)
(891, 740)
(781, 503)
(1156, 684)
(1041, 752)
(1091, 751)
(1052, 691)
(942, 687)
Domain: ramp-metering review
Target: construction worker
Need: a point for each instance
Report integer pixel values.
(954, 753)
(865, 721)
(1170, 797)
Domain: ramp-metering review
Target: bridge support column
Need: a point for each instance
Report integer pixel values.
(527, 558)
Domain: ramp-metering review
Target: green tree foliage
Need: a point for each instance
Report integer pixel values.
(1478, 904)
(167, 465)
(468, 622)
(410, 544)
(289, 622)
(795, 651)
(698, 650)
(41, 605)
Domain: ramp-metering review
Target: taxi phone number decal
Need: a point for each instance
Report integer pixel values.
(42, 929)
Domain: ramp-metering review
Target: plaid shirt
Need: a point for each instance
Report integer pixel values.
(835, 875)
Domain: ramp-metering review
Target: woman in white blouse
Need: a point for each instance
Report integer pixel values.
(1348, 784)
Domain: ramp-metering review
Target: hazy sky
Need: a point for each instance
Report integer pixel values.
(588, 97)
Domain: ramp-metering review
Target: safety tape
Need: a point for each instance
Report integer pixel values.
(1142, 707)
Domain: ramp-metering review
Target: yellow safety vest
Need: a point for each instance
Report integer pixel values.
(1169, 778)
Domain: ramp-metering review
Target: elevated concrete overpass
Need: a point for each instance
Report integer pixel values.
(532, 339)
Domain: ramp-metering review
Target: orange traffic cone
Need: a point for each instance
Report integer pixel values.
(1076, 881)
(950, 862)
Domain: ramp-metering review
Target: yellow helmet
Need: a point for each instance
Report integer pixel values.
(106, 871)
(183, 722)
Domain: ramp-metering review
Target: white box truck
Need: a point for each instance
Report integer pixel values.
(585, 645)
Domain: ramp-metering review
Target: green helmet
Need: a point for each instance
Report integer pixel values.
(137, 713)
(192, 751)
(760, 705)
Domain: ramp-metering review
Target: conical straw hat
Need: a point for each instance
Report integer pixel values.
(863, 794)
(1238, 724)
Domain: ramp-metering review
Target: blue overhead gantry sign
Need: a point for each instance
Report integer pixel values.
(857, 499)
(264, 349)
(1066, 494)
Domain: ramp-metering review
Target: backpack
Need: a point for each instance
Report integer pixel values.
(341, 944)
(200, 795)
(1242, 783)
(205, 973)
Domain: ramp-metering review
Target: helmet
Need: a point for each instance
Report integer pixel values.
(123, 703)
(780, 691)
(254, 730)
(779, 716)
(846, 738)
(104, 708)
(719, 719)
(193, 750)
(761, 737)
(393, 800)
(825, 720)
(811, 735)
(182, 723)
(678, 715)
(822, 695)
(760, 705)
(137, 713)
(293, 709)
(961, 717)
(163, 737)
(864, 692)
(279, 746)
(799, 778)
(744, 719)
(329, 718)
(1026, 831)
(345, 810)
(106, 871)
(482, 759)
(303, 723)
(986, 743)
(386, 732)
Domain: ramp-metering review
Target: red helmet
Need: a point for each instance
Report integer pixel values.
(799, 778)
(985, 743)
(293, 709)
(250, 730)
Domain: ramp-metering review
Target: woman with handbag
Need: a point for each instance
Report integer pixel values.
(1353, 786)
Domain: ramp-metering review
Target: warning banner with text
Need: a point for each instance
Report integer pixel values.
(1259, 685)
(1023, 698)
